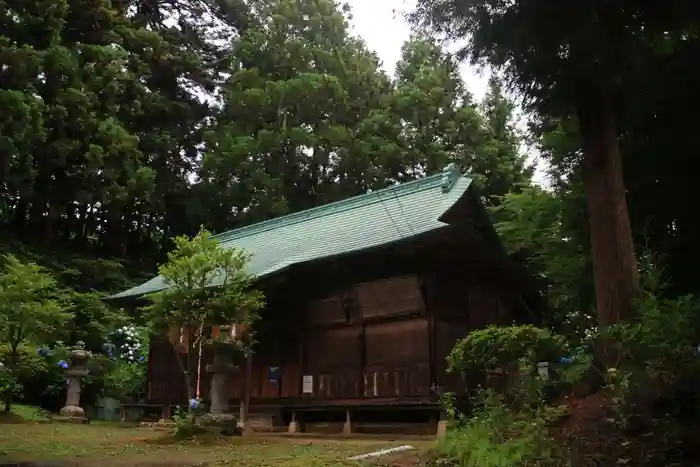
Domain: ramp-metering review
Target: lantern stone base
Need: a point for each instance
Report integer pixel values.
(72, 411)
(223, 423)
(71, 414)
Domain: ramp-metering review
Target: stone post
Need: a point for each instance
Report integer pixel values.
(347, 426)
(293, 424)
(71, 411)
(441, 426)
(219, 418)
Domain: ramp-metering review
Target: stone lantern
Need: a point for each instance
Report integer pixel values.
(225, 345)
(71, 411)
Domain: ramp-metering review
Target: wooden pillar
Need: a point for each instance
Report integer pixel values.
(363, 359)
(246, 395)
(430, 306)
(166, 412)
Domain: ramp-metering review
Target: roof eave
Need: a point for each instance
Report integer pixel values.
(266, 275)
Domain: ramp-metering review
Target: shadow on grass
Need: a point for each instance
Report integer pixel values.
(198, 437)
(12, 419)
(116, 424)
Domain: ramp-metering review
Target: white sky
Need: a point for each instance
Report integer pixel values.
(380, 23)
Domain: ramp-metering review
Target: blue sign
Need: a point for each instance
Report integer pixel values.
(274, 374)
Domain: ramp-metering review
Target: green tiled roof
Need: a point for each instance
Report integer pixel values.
(354, 224)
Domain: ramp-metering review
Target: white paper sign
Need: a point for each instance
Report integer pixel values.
(308, 384)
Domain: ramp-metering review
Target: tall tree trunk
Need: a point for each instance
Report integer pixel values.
(12, 365)
(21, 216)
(614, 261)
(81, 232)
(50, 223)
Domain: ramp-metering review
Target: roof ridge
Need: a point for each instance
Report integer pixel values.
(364, 199)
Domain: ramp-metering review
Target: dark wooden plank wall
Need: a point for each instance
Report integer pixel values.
(371, 340)
(459, 305)
(379, 340)
(166, 383)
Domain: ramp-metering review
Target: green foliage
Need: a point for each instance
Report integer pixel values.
(545, 228)
(659, 359)
(498, 347)
(41, 379)
(134, 153)
(124, 379)
(580, 47)
(29, 309)
(28, 363)
(510, 426)
(206, 285)
(9, 386)
(185, 426)
(495, 435)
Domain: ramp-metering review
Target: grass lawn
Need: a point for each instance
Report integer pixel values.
(123, 445)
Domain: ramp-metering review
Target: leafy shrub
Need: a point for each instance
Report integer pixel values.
(28, 362)
(124, 379)
(125, 375)
(515, 352)
(509, 428)
(41, 375)
(654, 385)
(185, 424)
(8, 383)
(497, 436)
(498, 347)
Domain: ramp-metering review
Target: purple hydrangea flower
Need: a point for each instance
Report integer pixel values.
(194, 403)
(63, 364)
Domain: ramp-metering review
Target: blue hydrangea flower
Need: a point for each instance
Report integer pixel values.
(194, 403)
(141, 358)
(63, 364)
(44, 352)
(564, 360)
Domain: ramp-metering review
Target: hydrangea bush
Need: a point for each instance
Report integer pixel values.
(118, 371)
(126, 343)
(127, 348)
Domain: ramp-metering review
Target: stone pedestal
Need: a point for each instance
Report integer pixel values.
(347, 426)
(219, 419)
(71, 411)
(293, 424)
(441, 427)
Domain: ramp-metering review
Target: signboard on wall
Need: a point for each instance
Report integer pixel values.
(274, 374)
(308, 384)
